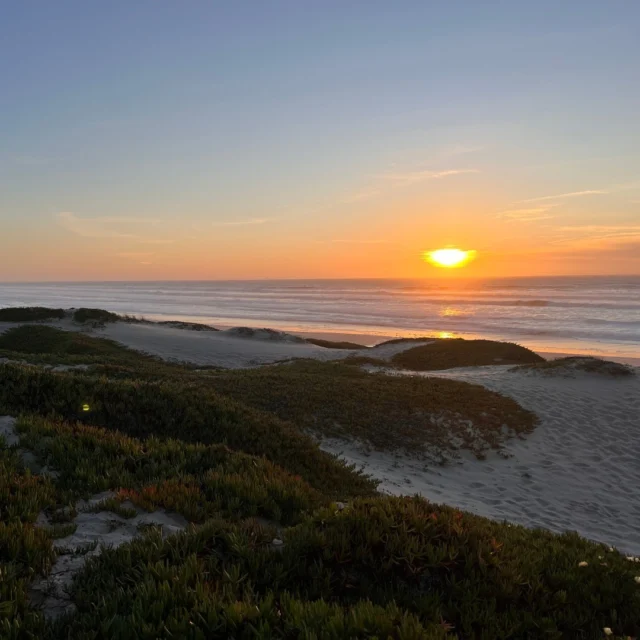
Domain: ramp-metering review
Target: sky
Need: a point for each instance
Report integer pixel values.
(154, 139)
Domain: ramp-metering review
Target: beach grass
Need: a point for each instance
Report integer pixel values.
(451, 353)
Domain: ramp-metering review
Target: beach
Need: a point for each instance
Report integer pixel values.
(576, 471)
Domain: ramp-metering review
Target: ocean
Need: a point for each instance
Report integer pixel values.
(591, 315)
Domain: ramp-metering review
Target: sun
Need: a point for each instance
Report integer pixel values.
(450, 257)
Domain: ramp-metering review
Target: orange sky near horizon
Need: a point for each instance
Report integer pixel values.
(382, 237)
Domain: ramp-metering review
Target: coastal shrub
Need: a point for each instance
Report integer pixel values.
(198, 481)
(423, 415)
(408, 340)
(330, 344)
(169, 410)
(447, 354)
(42, 339)
(30, 314)
(25, 550)
(401, 567)
(191, 326)
(582, 364)
(98, 316)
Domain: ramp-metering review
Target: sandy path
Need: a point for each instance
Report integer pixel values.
(579, 470)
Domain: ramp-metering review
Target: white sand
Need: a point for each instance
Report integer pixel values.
(205, 348)
(579, 470)
(94, 532)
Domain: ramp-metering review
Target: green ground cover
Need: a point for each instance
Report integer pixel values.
(388, 413)
(448, 354)
(226, 451)
(30, 314)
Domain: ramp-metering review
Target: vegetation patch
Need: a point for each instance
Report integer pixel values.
(271, 555)
(94, 316)
(191, 326)
(330, 344)
(579, 364)
(30, 314)
(407, 340)
(385, 567)
(448, 354)
(427, 416)
(168, 409)
(198, 481)
(52, 345)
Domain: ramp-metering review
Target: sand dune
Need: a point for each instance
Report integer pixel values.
(579, 470)
(216, 348)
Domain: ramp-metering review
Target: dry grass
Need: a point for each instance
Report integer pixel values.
(448, 354)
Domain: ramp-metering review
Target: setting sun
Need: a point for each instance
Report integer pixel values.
(449, 258)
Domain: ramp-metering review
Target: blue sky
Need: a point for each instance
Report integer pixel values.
(288, 139)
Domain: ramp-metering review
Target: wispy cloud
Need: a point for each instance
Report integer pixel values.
(359, 241)
(597, 235)
(359, 196)
(572, 194)
(242, 223)
(528, 215)
(386, 181)
(412, 177)
(135, 255)
(117, 227)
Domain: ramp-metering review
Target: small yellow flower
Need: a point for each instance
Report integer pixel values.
(583, 564)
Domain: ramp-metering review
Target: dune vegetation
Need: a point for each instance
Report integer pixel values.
(284, 541)
(451, 353)
(30, 314)
(579, 364)
(333, 344)
(98, 316)
(431, 417)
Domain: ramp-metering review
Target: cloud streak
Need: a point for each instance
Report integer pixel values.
(357, 241)
(243, 223)
(387, 181)
(413, 177)
(528, 215)
(572, 194)
(115, 227)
